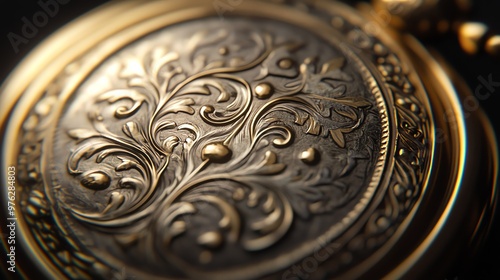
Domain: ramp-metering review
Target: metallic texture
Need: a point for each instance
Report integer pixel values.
(177, 144)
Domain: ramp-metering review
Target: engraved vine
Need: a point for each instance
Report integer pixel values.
(154, 140)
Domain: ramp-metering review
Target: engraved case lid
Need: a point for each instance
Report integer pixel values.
(163, 140)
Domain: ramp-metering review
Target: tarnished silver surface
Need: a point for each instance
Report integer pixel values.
(230, 146)
(212, 133)
(204, 144)
(291, 142)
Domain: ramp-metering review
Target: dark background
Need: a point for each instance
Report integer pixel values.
(486, 265)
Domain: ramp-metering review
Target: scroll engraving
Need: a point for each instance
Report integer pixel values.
(222, 148)
(183, 113)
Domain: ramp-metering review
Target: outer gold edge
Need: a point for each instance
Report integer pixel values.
(15, 84)
(488, 212)
(417, 255)
(12, 92)
(450, 219)
(493, 140)
(488, 129)
(12, 99)
(389, 38)
(492, 207)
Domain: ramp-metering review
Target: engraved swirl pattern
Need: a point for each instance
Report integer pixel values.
(196, 138)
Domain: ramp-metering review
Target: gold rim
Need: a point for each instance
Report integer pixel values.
(133, 20)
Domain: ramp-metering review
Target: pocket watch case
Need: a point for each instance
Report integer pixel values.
(280, 140)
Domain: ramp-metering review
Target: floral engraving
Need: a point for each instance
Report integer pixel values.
(182, 113)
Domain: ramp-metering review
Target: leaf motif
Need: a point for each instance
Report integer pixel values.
(158, 52)
(270, 158)
(85, 151)
(125, 112)
(271, 169)
(81, 134)
(268, 224)
(223, 97)
(321, 82)
(103, 155)
(314, 127)
(348, 113)
(132, 130)
(293, 84)
(203, 89)
(113, 96)
(170, 143)
(333, 64)
(338, 137)
(131, 183)
(115, 201)
(225, 90)
(269, 165)
(161, 60)
(233, 106)
(301, 119)
(180, 105)
(177, 228)
(126, 165)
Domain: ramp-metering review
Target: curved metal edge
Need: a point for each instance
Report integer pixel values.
(467, 213)
(11, 97)
(490, 163)
(5, 113)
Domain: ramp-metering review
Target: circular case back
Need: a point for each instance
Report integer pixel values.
(166, 139)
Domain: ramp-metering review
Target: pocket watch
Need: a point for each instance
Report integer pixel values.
(245, 139)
